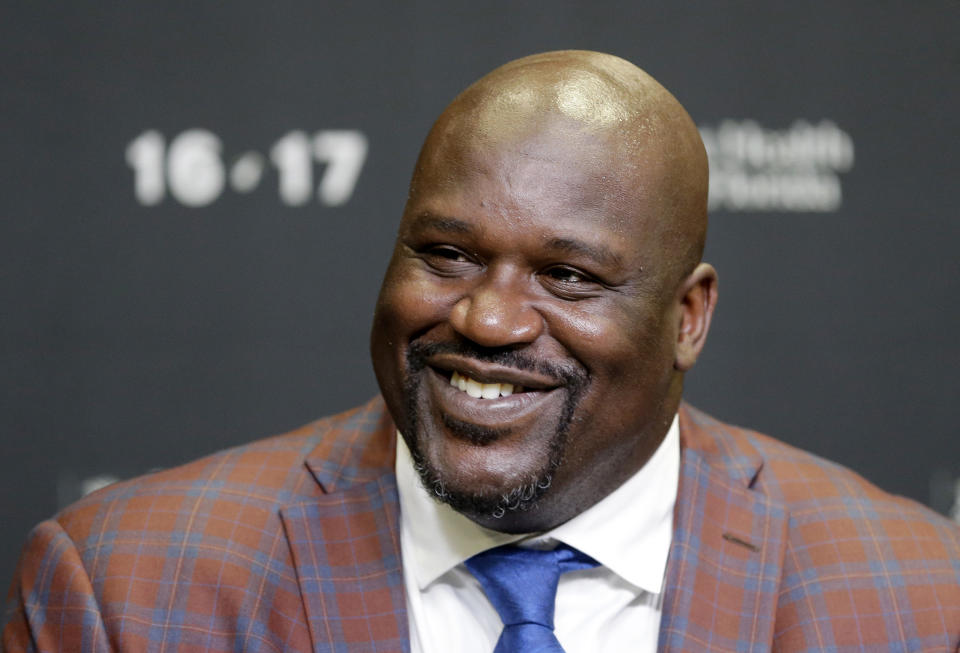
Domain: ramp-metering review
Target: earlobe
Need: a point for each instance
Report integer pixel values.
(697, 301)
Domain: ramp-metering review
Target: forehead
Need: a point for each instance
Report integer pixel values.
(561, 174)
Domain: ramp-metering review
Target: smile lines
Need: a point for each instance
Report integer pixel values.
(483, 390)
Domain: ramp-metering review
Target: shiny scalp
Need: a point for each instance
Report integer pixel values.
(590, 139)
(602, 95)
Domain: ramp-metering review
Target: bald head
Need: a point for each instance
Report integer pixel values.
(548, 250)
(599, 106)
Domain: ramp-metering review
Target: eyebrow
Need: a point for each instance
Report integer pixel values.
(427, 220)
(599, 253)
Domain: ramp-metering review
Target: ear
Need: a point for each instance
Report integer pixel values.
(697, 301)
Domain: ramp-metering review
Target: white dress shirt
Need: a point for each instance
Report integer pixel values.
(613, 607)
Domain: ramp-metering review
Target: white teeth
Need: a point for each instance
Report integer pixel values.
(482, 390)
(490, 390)
(474, 388)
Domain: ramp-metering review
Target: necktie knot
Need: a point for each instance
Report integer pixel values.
(521, 584)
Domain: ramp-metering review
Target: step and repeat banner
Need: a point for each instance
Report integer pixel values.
(199, 200)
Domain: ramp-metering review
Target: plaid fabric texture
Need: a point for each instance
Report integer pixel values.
(776, 549)
(291, 544)
(250, 549)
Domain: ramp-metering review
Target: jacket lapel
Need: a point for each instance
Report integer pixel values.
(345, 543)
(722, 575)
(723, 572)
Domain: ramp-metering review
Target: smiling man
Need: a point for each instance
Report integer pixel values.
(546, 292)
(530, 479)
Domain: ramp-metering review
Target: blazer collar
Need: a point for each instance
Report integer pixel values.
(345, 542)
(357, 447)
(722, 574)
(728, 545)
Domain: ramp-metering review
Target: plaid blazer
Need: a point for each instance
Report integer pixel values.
(291, 544)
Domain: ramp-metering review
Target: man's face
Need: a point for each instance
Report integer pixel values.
(528, 273)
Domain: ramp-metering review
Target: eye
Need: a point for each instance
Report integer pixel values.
(447, 253)
(564, 274)
(570, 283)
(446, 258)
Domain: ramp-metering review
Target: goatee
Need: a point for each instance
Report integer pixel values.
(572, 380)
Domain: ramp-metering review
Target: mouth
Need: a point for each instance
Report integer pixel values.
(482, 380)
(501, 398)
(480, 390)
(488, 424)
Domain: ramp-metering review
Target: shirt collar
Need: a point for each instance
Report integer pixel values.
(628, 531)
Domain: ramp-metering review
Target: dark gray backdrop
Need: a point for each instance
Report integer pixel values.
(138, 336)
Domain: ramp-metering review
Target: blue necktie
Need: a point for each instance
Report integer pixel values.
(522, 586)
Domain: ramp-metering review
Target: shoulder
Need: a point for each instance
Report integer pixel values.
(852, 554)
(809, 486)
(208, 533)
(246, 483)
(265, 472)
(813, 490)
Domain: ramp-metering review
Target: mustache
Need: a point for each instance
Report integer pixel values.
(563, 373)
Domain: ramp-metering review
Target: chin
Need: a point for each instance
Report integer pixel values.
(487, 474)
(479, 506)
(475, 482)
(493, 460)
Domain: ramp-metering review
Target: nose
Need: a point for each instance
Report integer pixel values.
(497, 313)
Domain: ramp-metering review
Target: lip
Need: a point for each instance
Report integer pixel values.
(507, 414)
(491, 372)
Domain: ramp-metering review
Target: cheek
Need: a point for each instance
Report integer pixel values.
(409, 303)
(408, 306)
(619, 345)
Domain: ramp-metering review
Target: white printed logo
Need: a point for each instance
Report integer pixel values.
(192, 168)
(788, 170)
